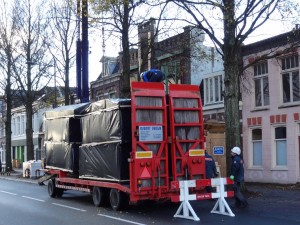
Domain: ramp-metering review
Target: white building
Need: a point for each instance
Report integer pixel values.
(271, 112)
(18, 125)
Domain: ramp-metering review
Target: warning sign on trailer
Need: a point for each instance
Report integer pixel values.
(150, 133)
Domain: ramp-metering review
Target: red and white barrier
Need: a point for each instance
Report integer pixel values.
(221, 206)
(185, 209)
(184, 197)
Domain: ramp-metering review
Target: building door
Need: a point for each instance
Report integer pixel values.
(21, 154)
(14, 152)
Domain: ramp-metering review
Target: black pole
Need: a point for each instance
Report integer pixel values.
(78, 54)
(85, 52)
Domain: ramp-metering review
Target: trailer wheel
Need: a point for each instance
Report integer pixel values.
(97, 196)
(59, 192)
(118, 199)
(52, 190)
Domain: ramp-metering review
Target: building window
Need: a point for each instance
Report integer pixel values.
(261, 83)
(280, 142)
(290, 79)
(22, 124)
(18, 130)
(171, 70)
(213, 90)
(257, 147)
(112, 95)
(13, 127)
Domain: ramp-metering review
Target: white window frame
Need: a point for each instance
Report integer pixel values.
(290, 70)
(22, 123)
(252, 148)
(13, 126)
(260, 74)
(18, 125)
(276, 166)
(213, 87)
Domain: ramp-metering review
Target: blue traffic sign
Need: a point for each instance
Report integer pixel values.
(218, 150)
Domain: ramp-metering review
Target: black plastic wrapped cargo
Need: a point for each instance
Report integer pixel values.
(105, 161)
(62, 155)
(63, 136)
(106, 140)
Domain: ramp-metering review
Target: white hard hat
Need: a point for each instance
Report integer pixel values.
(141, 75)
(236, 150)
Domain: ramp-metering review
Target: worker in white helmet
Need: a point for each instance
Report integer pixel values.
(237, 174)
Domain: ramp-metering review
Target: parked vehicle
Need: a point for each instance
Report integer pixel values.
(128, 150)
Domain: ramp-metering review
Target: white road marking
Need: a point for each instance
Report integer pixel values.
(117, 218)
(69, 207)
(8, 193)
(35, 199)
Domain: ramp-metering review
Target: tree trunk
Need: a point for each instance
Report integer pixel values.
(29, 111)
(125, 78)
(8, 123)
(231, 81)
(29, 132)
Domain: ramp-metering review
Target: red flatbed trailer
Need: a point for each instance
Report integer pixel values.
(167, 146)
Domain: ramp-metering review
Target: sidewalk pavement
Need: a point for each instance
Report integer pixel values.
(17, 175)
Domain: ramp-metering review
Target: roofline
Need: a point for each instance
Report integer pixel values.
(272, 42)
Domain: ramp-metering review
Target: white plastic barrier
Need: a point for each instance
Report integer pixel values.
(221, 205)
(32, 169)
(185, 209)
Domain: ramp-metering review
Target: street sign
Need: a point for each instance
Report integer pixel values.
(218, 150)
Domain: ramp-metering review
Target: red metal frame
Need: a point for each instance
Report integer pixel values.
(152, 170)
(184, 164)
(66, 182)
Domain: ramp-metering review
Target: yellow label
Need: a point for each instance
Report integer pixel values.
(145, 154)
(197, 152)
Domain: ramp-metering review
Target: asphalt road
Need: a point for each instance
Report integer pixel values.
(28, 203)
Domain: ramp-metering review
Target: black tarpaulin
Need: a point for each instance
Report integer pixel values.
(62, 136)
(107, 161)
(67, 111)
(63, 130)
(62, 156)
(108, 120)
(107, 104)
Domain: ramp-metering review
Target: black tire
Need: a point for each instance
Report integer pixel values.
(59, 192)
(118, 199)
(52, 190)
(97, 196)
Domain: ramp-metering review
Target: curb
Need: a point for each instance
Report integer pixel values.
(18, 177)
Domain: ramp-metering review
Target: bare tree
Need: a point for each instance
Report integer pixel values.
(123, 19)
(34, 59)
(239, 20)
(8, 34)
(120, 16)
(63, 26)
